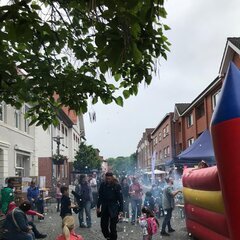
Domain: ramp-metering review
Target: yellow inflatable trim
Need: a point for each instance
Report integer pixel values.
(210, 200)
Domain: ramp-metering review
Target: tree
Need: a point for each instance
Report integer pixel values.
(123, 165)
(86, 158)
(68, 47)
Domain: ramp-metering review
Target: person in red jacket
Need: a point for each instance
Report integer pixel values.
(135, 192)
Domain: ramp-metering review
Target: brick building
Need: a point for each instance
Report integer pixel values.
(145, 149)
(189, 120)
(196, 117)
(70, 131)
(162, 137)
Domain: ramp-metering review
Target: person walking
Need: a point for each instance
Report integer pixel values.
(93, 185)
(84, 191)
(109, 206)
(7, 195)
(168, 206)
(126, 197)
(135, 191)
(58, 195)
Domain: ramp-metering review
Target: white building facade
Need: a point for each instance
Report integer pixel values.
(27, 150)
(17, 149)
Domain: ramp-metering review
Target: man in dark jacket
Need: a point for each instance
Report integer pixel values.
(109, 206)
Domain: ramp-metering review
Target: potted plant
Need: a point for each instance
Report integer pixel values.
(58, 159)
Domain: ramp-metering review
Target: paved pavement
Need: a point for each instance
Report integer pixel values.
(52, 226)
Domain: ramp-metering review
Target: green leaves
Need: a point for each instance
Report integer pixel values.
(67, 47)
(123, 165)
(86, 158)
(137, 55)
(126, 94)
(119, 101)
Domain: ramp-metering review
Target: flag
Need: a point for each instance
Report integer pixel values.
(153, 160)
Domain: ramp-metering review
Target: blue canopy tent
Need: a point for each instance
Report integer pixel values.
(201, 149)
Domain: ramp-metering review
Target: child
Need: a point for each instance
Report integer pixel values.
(68, 230)
(149, 201)
(148, 223)
(66, 205)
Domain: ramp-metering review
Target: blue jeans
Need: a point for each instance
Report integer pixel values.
(167, 219)
(87, 208)
(136, 208)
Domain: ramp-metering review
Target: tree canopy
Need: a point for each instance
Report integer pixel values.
(73, 47)
(123, 165)
(86, 158)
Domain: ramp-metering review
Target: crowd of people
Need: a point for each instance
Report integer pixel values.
(115, 200)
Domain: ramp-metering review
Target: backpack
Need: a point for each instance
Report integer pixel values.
(152, 226)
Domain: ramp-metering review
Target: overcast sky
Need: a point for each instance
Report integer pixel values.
(199, 30)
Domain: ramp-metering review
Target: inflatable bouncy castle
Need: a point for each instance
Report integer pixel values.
(204, 207)
(212, 197)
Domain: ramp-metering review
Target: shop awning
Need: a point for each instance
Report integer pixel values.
(201, 149)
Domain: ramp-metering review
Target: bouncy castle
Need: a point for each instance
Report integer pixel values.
(211, 194)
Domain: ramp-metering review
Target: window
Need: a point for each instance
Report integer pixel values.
(17, 119)
(66, 137)
(190, 141)
(22, 165)
(190, 120)
(215, 98)
(160, 136)
(54, 170)
(1, 111)
(165, 152)
(155, 140)
(166, 131)
(161, 155)
(168, 151)
(200, 111)
(26, 120)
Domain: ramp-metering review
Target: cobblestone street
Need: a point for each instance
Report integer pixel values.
(52, 226)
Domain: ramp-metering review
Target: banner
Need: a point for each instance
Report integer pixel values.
(153, 166)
